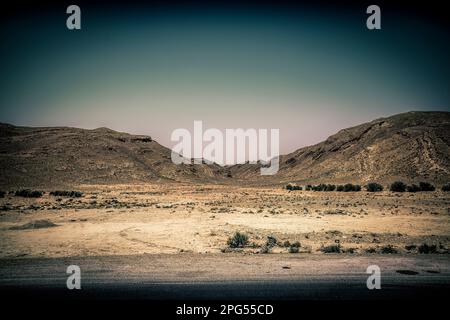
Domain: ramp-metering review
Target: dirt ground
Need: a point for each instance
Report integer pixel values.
(174, 218)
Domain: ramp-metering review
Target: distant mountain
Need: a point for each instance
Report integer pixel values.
(412, 147)
(50, 157)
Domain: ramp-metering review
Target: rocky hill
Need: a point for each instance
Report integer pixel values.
(50, 157)
(413, 146)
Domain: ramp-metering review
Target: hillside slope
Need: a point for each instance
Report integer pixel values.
(413, 146)
(410, 146)
(68, 156)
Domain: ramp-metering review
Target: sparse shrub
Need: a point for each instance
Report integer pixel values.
(321, 187)
(293, 248)
(351, 187)
(239, 240)
(292, 187)
(410, 247)
(296, 244)
(425, 248)
(348, 187)
(334, 248)
(371, 250)
(388, 249)
(446, 187)
(349, 250)
(265, 249)
(271, 241)
(72, 194)
(340, 188)
(413, 188)
(27, 193)
(398, 186)
(374, 187)
(425, 186)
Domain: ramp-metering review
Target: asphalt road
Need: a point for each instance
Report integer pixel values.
(184, 278)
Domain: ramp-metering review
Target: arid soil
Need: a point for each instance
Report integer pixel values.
(172, 218)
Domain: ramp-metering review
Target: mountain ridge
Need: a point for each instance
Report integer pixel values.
(415, 140)
(409, 146)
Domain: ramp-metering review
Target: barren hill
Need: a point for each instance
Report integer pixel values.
(49, 157)
(413, 146)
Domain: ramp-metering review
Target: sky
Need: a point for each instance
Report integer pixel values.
(305, 69)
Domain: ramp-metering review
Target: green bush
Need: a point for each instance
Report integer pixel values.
(291, 187)
(348, 187)
(340, 188)
(293, 249)
(351, 187)
(374, 187)
(2, 194)
(72, 194)
(321, 187)
(27, 193)
(425, 186)
(424, 248)
(239, 240)
(296, 244)
(413, 188)
(265, 249)
(271, 241)
(446, 187)
(334, 248)
(388, 249)
(398, 186)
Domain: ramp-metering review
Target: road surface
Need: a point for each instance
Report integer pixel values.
(228, 276)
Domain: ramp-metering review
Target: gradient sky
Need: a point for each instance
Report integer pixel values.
(149, 69)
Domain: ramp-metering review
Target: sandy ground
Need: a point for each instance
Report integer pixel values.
(174, 218)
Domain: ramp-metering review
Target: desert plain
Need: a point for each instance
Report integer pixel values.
(174, 218)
